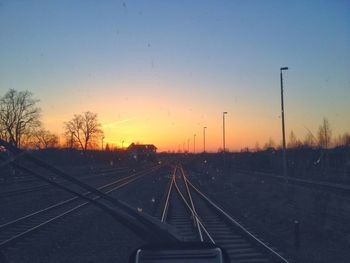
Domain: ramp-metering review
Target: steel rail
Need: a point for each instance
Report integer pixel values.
(61, 174)
(90, 174)
(11, 159)
(23, 234)
(18, 220)
(17, 192)
(192, 204)
(142, 225)
(166, 206)
(195, 214)
(261, 243)
(47, 186)
(301, 182)
(146, 224)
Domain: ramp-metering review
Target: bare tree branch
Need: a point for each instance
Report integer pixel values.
(19, 116)
(324, 134)
(83, 130)
(44, 139)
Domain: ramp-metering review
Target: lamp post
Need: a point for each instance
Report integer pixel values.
(194, 143)
(122, 144)
(223, 131)
(204, 139)
(283, 127)
(102, 142)
(188, 145)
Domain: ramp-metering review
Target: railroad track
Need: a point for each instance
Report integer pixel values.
(323, 185)
(26, 178)
(43, 186)
(20, 228)
(199, 219)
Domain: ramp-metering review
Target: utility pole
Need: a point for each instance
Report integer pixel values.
(194, 143)
(204, 128)
(283, 127)
(223, 131)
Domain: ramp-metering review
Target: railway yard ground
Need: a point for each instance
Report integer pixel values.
(271, 208)
(268, 208)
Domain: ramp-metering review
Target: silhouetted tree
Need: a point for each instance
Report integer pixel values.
(44, 139)
(107, 147)
(19, 116)
(83, 129)
(257, 147)
(324, 134)
(270, 144)
(343, 140)
(346, 139)
(293, 141)
(309, 140)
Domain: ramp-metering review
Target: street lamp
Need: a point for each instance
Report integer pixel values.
(194, 143)
(223, 130)
(102, 142)
(283, 127)
(204, 138)
(122, 144)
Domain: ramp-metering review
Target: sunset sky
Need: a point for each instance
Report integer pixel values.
(159, 71)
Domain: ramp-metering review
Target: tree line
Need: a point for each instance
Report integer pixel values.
(322, 139)
(21, 125)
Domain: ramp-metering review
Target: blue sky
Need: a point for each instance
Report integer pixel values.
(183, 62)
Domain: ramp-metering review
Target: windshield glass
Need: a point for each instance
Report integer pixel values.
(124, 123)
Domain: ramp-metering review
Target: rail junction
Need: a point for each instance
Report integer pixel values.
(199, 219)
(186, 216)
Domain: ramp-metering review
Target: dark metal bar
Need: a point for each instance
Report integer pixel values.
(125, 219)
(132, 217)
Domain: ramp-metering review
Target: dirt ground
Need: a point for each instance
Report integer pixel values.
(91, 235)
(267, 208)
(270, 210)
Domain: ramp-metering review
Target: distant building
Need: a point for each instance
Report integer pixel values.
(142, 151)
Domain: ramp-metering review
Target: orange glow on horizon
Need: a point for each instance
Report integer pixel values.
(169, 119)
(170, 127)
